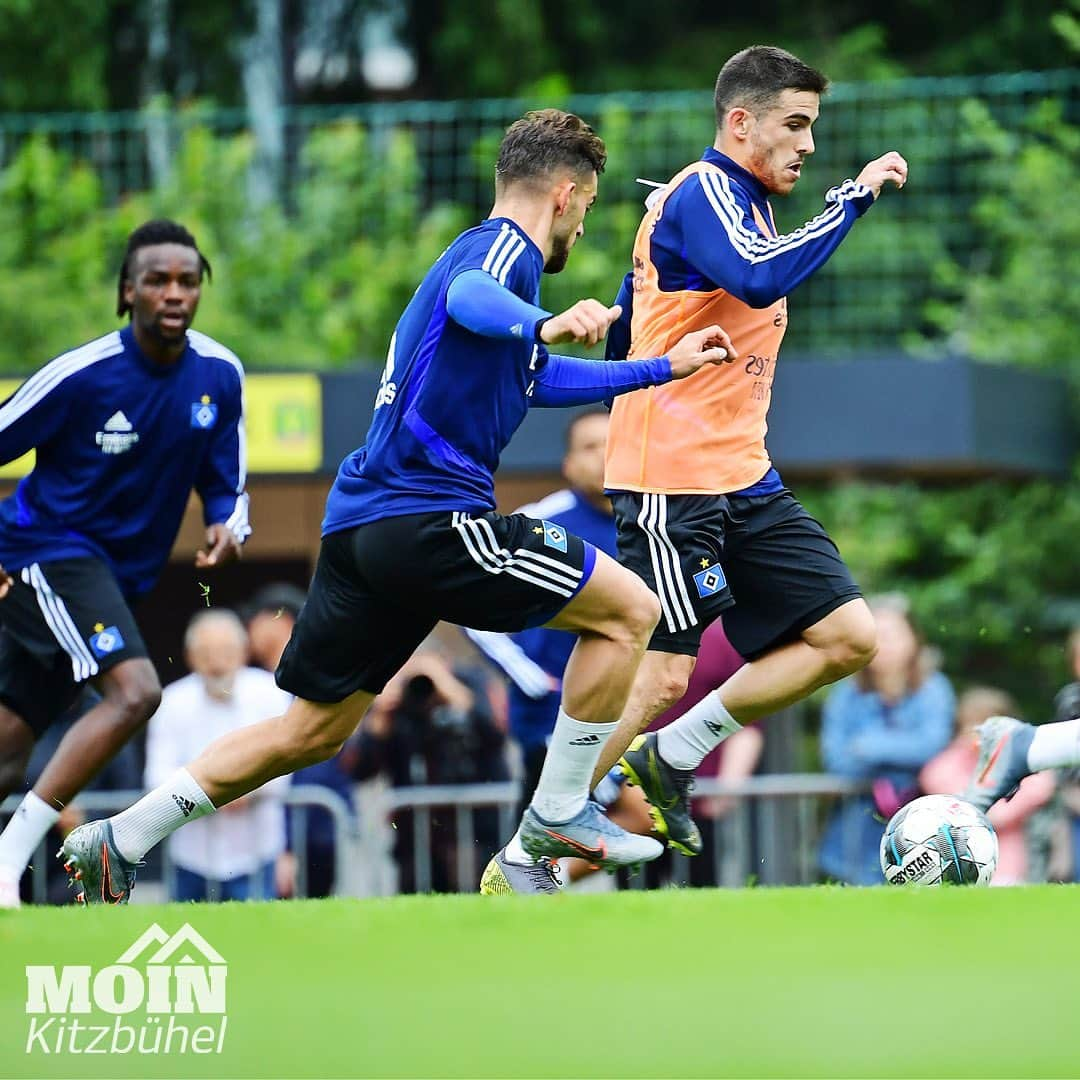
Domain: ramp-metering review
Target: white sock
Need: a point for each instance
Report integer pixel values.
(1054, 746)
(515, 853)
(685, 742)
(572, 755)
(32, 819)
(158, 813)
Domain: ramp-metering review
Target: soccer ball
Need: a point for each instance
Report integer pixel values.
(938, 840)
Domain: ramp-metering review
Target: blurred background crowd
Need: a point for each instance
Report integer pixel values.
(325, 151)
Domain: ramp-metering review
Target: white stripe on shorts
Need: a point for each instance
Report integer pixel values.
(484, 549)
(670, 586)
(60, 622)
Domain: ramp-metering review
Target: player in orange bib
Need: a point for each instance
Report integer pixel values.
(702, 515)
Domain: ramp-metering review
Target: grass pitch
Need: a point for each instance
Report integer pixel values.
(762, 982)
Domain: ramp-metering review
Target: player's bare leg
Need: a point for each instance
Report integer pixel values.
(663, 763)
(614, 616)
(661, 681)
(103, 854)
(16, 743)
(131, 694)
(837, 646)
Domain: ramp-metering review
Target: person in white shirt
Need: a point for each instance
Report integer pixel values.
(231, 855)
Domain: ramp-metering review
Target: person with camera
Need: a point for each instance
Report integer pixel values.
(433, 724)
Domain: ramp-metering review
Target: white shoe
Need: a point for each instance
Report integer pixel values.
(9, 888)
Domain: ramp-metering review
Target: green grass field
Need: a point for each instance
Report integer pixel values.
(761, 982)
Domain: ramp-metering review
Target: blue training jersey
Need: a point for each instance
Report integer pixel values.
(535, 659)
(121, 442)
(450, 399)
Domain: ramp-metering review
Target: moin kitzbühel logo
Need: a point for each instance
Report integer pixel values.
(171, 1001)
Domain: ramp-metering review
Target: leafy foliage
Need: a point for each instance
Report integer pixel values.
(1016, 300)
(990, 569)
(307, 290)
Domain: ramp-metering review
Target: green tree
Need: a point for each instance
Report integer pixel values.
(1016, 300)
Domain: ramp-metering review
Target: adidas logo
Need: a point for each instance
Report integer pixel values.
(717, 729)
(117, 422)
(585, 740)
(186, 805)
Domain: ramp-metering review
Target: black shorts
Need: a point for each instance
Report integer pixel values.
(379, 590)
(763, 562)
(62, 623)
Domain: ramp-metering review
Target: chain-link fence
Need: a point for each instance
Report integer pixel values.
(866, 299)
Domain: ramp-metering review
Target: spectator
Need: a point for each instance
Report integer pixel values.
(270, 618)
(433, 724)
(951, 770)
(881, 725)
(229, 855)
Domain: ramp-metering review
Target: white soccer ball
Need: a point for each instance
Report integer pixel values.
(938, 840)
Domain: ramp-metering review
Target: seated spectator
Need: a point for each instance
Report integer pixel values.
(433, 724)
(270, 617)
(951, 770)
(881, 725)
(229, 855)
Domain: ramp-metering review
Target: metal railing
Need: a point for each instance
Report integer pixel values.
(770, 836)
(304, 797)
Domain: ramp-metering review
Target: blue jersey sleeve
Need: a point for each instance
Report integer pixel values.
(223, 474)
(618, 335)
(569, 380)
(37, 411)
(722, 240)
(476, 301)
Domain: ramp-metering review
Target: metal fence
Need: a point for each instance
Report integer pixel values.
(770, 835)
(304, 797)
(438, 838)
(443, 152)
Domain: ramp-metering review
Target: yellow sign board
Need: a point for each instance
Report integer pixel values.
(283, 422)
(20, 466)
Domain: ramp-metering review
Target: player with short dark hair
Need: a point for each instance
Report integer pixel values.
(411, 535)
(124, 427)
(703, 516)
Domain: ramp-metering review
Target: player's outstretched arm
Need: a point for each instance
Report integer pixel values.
(563, 381)
(723, 241)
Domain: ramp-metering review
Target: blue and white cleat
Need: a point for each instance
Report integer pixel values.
(590, 835)
(1003, 760)
(97, 869)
